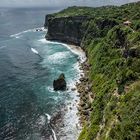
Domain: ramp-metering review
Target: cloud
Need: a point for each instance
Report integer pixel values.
(61, 3)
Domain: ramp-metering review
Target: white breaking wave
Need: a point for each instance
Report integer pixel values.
(54, 135)
(50, 89)
(71, 120)
(49, 119)
(42, 29)
(30, 30)
(58, 57)
(51, 42)
(41, 121)
(72, 48)
(34, 51)
(79, 52)
(18, 34)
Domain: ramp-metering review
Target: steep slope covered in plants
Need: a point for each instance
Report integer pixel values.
(113, 51)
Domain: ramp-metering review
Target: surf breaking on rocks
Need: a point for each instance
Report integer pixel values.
(49, 122)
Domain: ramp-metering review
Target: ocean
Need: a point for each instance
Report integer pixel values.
(29, 107)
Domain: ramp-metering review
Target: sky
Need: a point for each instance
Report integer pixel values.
(61, 3)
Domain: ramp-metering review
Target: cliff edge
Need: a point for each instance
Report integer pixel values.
(66, 29)
(110, 37)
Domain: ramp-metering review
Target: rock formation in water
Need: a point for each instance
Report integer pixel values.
(60, 83)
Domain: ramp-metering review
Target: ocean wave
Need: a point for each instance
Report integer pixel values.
(49, 121)
(58, 57)
(34, 51)
(70, 117)
(41, 121)
(74, 49)
(49, 42)
(17, 35)
(78, 51)
(2, 47)
(48, 117)
(20, 33)
(54, 134)
(50, 89)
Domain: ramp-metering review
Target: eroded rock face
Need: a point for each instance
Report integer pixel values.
(60, 83)
(74, 29)
(66, 29)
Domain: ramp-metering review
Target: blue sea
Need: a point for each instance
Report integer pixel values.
(29, 107)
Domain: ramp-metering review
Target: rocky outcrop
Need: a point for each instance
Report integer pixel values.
(84, 87)
(75, 29)
(60, 83)
(66, 29)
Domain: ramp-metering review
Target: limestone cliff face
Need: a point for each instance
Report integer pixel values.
(66, 29)
(74, 30)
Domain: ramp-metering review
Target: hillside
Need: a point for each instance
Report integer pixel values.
(113, 51)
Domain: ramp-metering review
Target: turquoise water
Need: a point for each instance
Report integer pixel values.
(27, 97)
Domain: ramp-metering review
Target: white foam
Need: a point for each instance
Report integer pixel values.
(58, 57)
(71, 121)
(43, 29)
(51, 42)
(34, 51)
(26, 31)
(48, 42)
(54, 135)
(53, 132)
(48, 117)
(74, 49)
(50, 89)
(41, 121)
(18, 34)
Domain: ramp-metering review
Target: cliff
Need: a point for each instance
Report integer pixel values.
(66, 29)
(113, 51)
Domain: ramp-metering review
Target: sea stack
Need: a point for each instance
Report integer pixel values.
(60, 83)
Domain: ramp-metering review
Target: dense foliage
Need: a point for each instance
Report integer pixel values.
(115, 75)
(130, 11)
(113, 50)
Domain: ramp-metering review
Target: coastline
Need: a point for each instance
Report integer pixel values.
(67, 122)
(71, 112)
(79, 51)
(109, 85)
(77, 112)
(83, 87)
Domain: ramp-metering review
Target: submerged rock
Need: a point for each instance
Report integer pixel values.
(60, 83)
(73, 89)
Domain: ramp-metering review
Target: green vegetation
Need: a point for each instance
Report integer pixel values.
(114, 54)
(113, 50)
(114, 70)
(129, 11)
